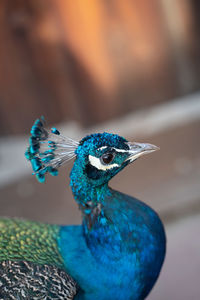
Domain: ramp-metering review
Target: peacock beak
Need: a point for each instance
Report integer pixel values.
(138, 149)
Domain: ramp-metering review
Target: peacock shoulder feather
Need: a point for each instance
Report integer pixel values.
(31, 266)
(29, 241)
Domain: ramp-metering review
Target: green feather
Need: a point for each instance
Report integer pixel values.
(29, 241)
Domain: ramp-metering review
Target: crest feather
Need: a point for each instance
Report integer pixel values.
(48, 150)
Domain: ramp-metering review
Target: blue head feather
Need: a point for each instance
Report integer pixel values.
(93, 181)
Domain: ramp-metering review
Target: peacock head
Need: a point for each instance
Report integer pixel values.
(99, 156)
(102, 155)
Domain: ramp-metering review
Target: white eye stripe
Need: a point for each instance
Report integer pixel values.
(121, 150)
(95, 162)
(116, 149)
(104, 147)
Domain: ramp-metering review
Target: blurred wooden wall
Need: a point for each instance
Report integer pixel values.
(91, 60)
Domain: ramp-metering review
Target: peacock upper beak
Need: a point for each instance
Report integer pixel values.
(138, 149)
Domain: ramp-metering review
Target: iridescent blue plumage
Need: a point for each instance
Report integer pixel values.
(119, 249)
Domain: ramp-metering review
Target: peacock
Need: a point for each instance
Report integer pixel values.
(118, 250)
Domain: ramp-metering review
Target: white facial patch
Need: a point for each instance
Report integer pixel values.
(95, 162)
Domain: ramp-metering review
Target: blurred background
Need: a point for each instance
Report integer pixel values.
(130, 67)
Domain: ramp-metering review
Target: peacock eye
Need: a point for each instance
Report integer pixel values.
(107, 158)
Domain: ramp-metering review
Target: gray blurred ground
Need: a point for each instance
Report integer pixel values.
(167, 180)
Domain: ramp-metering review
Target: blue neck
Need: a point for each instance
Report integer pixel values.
(85, 192)
(120, 246)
